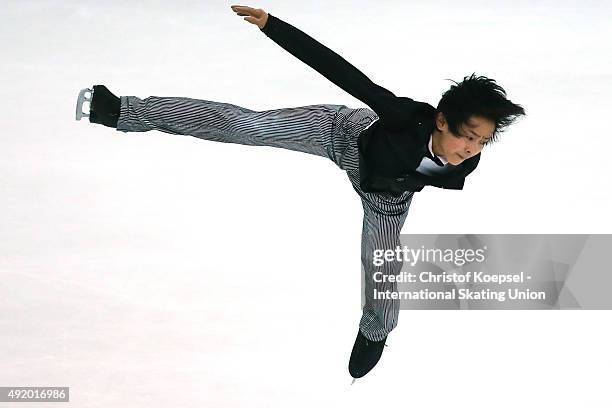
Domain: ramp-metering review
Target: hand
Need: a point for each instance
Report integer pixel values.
(255, 16)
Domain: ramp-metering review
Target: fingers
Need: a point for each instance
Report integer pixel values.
(246, 11)
(254, 16)
(243, 9)
(242, 13)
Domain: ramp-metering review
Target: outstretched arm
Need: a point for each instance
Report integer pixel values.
(327, 63)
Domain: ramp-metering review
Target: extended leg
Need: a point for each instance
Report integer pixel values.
(324, 130)
(304, 128)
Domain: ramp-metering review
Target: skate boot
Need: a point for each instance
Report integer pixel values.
(365, 355)
(104, 107)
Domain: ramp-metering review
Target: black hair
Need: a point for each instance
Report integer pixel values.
(478, 96)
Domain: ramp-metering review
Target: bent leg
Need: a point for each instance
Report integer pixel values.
(383, 218)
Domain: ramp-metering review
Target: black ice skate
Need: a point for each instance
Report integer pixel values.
(104, 107)
(365, 355)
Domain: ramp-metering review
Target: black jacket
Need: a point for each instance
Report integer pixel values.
(391, 148)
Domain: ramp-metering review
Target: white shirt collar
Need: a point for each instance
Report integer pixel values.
(429, 146)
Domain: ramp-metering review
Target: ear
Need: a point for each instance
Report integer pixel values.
(441, 123)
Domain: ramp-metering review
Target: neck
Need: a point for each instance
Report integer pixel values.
(435, 142)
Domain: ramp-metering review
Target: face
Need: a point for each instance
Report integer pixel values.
(472, 137)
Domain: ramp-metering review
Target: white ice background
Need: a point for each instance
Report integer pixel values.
(155, 270)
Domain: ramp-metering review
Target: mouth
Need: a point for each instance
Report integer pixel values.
(460, 156)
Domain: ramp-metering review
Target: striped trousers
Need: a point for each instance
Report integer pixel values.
(329, 131)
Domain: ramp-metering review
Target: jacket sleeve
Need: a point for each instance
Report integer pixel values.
(335, 68)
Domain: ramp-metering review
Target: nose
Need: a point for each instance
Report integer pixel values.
(471, 148)
(468, 150)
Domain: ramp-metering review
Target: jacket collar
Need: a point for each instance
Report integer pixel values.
(419, 135)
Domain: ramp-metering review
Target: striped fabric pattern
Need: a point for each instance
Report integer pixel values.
(329, 131)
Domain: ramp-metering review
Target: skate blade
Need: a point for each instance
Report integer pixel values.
(84, 96)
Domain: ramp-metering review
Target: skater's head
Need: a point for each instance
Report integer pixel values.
(470, 115)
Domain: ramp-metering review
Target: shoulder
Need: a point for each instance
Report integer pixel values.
(423, 110)
(412, 112)
(405, 113)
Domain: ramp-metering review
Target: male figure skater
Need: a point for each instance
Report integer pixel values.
(389, 152)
